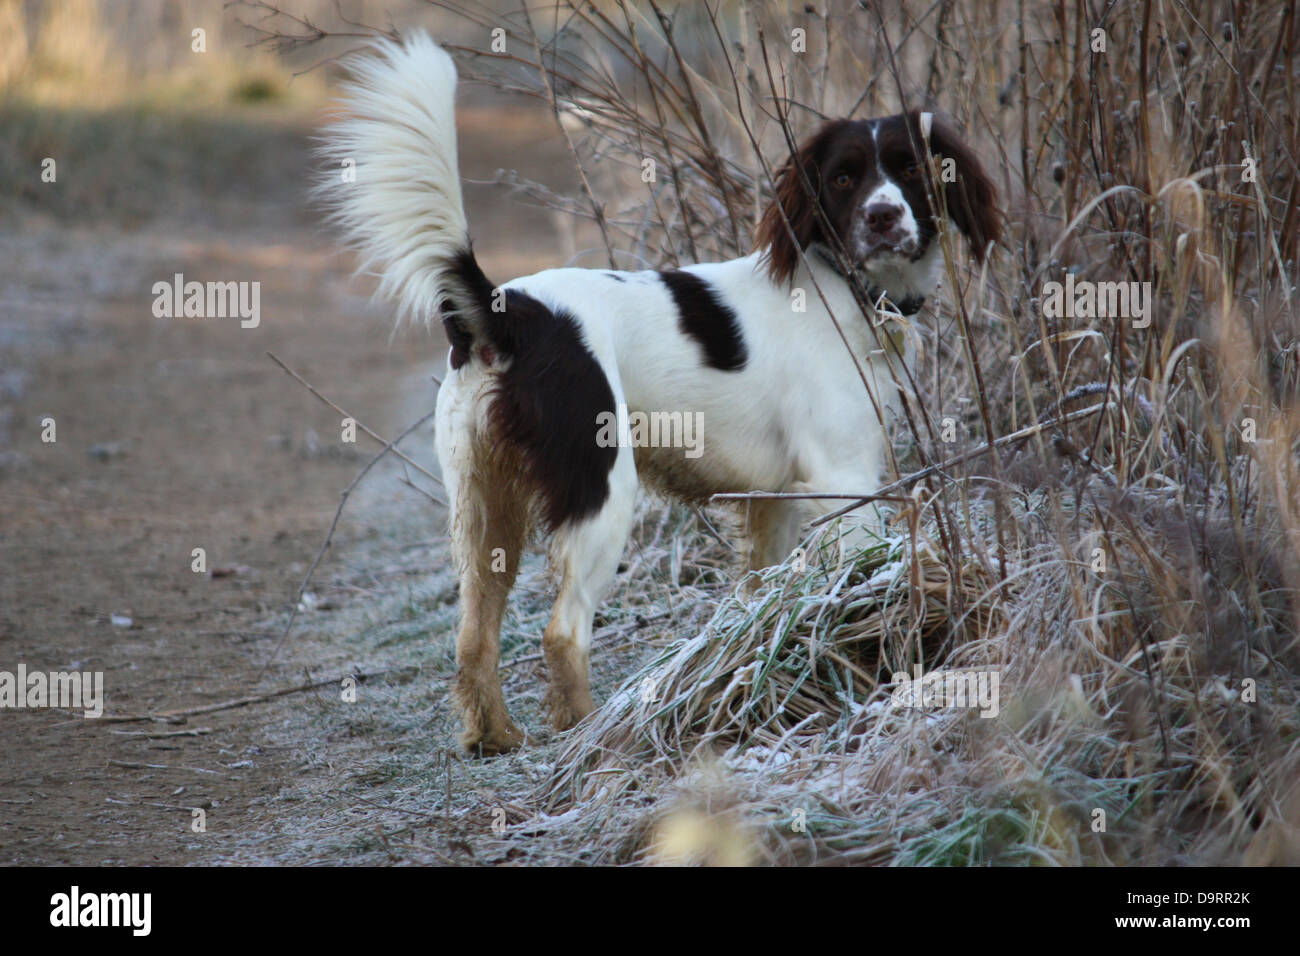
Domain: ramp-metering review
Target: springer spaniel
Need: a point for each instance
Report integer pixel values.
(541, 366)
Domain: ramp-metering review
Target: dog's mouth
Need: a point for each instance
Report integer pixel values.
(897, 245)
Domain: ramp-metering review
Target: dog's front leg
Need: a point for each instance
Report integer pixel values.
(586, 555)
(861, 528)
(771, 531)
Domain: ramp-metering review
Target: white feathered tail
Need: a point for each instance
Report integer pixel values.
(391, 181)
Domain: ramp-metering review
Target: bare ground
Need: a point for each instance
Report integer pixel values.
(176, 434)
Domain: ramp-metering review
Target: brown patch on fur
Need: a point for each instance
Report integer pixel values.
(568, 698)
(704, 317)
(972, 200)
(546, 402)
(669, 472)
(491, 514)
(548, 388)
(799, 208)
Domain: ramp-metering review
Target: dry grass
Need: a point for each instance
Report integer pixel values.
(1130, 577)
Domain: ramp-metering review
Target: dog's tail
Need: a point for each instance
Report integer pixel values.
(392, 184)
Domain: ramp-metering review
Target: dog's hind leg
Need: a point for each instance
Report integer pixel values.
(489, 528)
(586, 555)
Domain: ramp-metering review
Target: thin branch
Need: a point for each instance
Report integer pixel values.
(885, 492)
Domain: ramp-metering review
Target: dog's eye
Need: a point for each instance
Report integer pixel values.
(912, 171)
(842, 181)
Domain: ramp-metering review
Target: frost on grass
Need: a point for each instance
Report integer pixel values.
(1129, 573)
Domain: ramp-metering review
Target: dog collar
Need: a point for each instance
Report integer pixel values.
(909, 306)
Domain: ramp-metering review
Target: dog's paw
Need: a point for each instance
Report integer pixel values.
(565, 712)
(490, 743)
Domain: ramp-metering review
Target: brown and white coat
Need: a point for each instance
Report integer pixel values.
(536, 361)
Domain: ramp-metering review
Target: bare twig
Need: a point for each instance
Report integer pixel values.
(388, 446)
(886, 491)
(173, 716)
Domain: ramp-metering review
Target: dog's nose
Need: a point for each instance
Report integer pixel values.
(882, 216)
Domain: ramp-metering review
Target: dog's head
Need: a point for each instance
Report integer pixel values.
(870, 179)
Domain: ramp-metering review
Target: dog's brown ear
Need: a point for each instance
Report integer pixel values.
(798, 205)
(970, 195)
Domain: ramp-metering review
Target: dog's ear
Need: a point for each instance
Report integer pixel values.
(969, 193)
(794, 204)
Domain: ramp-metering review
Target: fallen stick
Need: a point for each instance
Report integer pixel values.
(160, 734)
(173, 715)
(132, 765)
(148, 803)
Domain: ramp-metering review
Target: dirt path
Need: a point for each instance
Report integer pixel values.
(176, 434)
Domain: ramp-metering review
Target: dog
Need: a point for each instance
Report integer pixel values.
(541, 366)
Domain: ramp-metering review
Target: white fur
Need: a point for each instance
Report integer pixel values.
(403, 212)
(888, 194)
